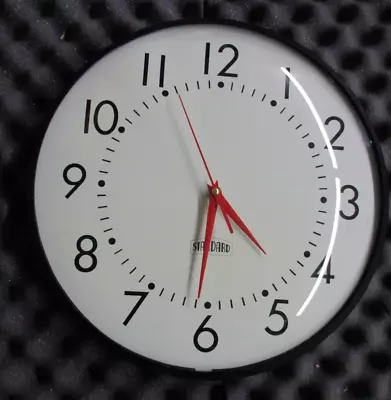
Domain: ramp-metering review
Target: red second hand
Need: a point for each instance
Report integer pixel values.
(196, 140)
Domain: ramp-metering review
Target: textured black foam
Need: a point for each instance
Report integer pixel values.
(47, 350)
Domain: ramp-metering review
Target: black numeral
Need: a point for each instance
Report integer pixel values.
(287, 84)
(77, 183)
(86, 253)
(328, 276)
(202, 329)
(161, 72)
(142, 296)
(98, 108)
(351, 201)
(274, 311)
(224, 71)
(339, 132)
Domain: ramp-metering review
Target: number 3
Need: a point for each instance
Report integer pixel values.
(351, 201)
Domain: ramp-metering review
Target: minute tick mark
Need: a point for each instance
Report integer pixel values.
(198, 85)
(282, 110)
(102, 207)
(298, 126)
(242, 89)
(128, 120)
(284, 280)
(118, 251)
(104, 160)
(105, 218)
(316, 155)
(264, 97)
(319, 166)
(101, 195)
(292, 272)
(274, 286)
(209, 84)
(301, 264)
(131, 272)
(135, 111)
(195, 303)
(307, 134)
(232, 85)
(142, 278)
(322, 177)
(155, 99)
(255, 299)
(322, 211)
(172, 297)
(145, 105)
(316, 233)
(103, 172)
(115, 139)
(184, 301)
(125, 261)
(176, 90)
(312, 244)
(109, 149)
(161, 292)
(252, 94)
(320, 222)
(187, 87)
(290, 119)
(244, 303)
(232, 305)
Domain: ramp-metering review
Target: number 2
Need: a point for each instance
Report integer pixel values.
(338, 134)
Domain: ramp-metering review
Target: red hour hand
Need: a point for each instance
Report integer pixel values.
(224, 205)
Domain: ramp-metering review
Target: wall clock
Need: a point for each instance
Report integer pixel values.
(210, 198)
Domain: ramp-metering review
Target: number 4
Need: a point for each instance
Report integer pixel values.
(328, 276)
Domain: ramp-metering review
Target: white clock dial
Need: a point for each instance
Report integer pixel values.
(121, 197)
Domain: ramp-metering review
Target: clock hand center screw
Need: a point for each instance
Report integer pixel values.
(216, 191)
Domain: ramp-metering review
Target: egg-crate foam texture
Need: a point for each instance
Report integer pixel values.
(47, 350)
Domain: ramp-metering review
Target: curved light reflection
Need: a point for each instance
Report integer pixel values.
(337, 189)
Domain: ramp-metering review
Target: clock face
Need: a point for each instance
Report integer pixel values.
(221, 276)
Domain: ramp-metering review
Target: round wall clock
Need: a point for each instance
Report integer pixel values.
(210, 198)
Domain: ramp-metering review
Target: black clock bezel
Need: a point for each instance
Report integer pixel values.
(378, 242)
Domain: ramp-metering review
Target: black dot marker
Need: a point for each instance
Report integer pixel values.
(101, 183)
(207, 305)
(151, 286)
(273, 103)
(323, 199)
(165, 93)
(121, 129)
(311, 145)
(265, 293)
(220, 84)
(112, 241)
(307, 254)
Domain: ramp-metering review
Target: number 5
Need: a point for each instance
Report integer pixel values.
(274, 311)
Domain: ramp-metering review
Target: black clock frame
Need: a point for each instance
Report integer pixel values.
(378, 241)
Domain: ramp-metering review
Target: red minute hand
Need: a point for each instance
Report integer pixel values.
(224, 205)
(212, 208)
